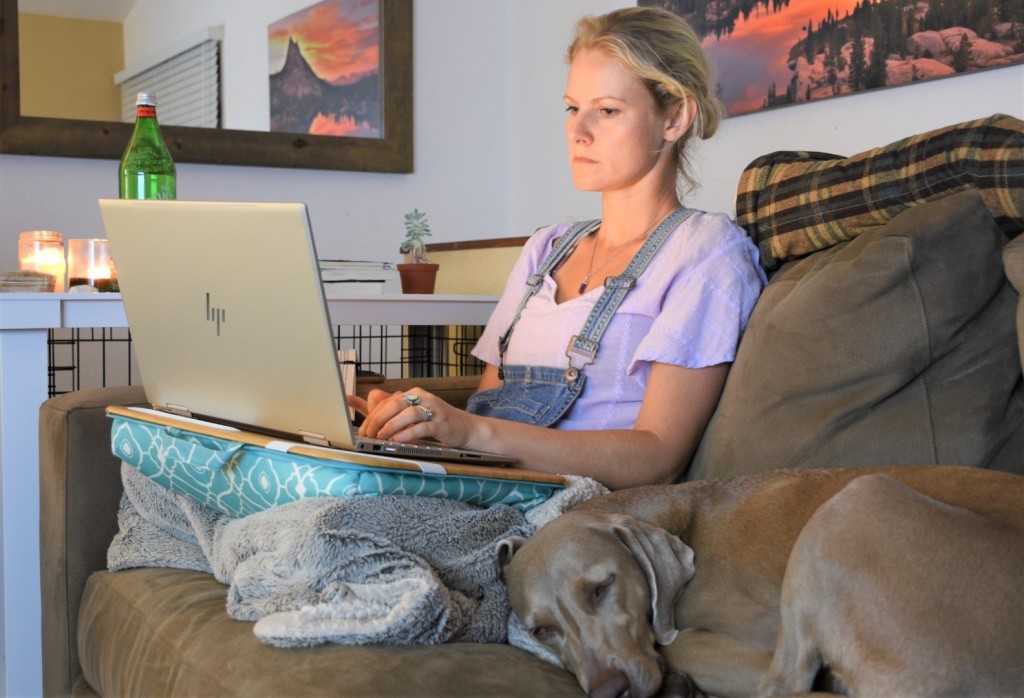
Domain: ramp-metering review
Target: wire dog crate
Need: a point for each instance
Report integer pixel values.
(97, 357)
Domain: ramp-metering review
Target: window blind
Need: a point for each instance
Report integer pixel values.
(186, 84)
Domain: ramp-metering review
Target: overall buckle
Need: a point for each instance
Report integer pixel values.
(587, 348)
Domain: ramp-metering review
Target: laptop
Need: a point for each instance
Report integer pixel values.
(230, 324)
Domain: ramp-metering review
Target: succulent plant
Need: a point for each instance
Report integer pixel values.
(416, 229)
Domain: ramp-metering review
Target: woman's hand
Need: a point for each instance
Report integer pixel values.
(412, 414)
(676, 409)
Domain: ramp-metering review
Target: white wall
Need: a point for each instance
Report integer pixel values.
(489, 151)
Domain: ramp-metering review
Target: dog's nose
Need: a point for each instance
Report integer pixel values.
(613, 684)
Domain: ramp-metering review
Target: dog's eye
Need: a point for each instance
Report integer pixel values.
(601, 590)
(541, 633)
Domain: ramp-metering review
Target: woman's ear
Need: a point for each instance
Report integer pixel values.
(680, 119)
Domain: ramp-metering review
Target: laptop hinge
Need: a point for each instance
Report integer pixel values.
(313, 438)
(178, 410)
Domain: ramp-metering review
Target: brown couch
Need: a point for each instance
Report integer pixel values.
(898, 346)
(149, 632)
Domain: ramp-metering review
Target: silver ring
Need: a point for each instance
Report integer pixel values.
(427, 414)
(411, 399)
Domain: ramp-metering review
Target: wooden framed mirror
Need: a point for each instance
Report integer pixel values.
(32, 135)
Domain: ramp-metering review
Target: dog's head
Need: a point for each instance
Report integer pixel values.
(599, 591)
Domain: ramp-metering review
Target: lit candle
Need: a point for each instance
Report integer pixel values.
(43, 251)
(89, 266)
(99, 272)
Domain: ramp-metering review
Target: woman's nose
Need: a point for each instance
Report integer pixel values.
(579, 129)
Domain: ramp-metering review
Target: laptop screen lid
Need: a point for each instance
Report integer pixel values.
(230, 323)
(227, 314)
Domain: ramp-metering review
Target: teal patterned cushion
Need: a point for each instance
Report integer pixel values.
(239, 479)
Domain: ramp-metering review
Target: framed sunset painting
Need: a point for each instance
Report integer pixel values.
(325, 70)
(770, 53)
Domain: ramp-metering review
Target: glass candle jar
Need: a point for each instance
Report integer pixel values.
(43, 251)
(90, 268)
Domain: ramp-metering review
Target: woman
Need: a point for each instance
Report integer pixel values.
(639, 87)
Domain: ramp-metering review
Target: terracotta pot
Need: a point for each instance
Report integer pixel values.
(418, 278)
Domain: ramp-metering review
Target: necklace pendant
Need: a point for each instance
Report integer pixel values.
(583, 285)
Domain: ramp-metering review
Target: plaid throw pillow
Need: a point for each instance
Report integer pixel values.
(793, 203)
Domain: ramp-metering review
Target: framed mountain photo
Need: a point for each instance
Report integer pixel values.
(326, 72)
(770, 53)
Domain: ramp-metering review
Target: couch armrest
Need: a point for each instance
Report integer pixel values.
(79, 491)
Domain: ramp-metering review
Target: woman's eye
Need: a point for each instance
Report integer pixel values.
(572, 109)
(608, 111)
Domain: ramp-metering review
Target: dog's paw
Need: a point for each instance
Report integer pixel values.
(677, 685)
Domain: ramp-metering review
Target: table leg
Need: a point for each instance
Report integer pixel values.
(23, 388)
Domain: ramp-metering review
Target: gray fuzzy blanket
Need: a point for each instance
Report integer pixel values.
(382, 570)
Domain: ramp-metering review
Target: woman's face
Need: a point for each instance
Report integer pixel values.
(616, 136)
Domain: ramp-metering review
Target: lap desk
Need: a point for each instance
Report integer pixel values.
(240, 472)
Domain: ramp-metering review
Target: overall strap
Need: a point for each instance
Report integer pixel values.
(561, 249)
(586, 343)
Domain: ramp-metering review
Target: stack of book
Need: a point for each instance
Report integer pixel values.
(342, 276)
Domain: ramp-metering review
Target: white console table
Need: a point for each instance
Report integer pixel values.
(25, 319)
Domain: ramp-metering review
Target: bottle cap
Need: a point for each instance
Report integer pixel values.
(145, 98)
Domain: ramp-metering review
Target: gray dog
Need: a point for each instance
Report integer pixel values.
(677, 588)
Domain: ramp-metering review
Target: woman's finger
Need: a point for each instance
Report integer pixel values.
(413, 417)
(386, 413)
(359, 404)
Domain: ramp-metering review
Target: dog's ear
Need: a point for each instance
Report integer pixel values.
(666, 561)
(503, 552)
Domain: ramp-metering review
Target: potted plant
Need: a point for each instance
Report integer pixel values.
(418, 273)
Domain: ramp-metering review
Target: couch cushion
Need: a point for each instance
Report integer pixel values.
(898, 347)
(794, 203)
(135, 640)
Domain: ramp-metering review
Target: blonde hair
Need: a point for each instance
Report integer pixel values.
(664, 52)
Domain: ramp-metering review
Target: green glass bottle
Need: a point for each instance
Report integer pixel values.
(147, 171)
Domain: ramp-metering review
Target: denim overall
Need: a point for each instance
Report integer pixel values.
(541, 395)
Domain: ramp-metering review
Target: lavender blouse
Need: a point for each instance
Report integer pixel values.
(688, 309)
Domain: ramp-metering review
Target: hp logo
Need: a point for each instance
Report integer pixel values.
(214, 314)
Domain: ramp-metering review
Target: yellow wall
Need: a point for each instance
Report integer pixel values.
(67, 67)
(474, 271)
